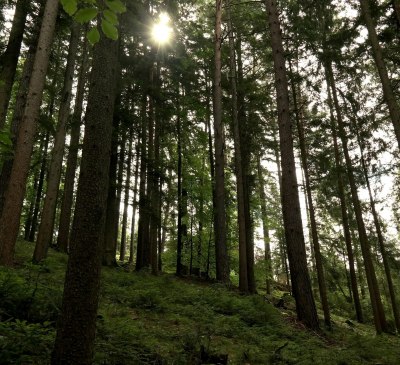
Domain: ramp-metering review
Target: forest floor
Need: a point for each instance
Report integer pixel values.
(144, 319)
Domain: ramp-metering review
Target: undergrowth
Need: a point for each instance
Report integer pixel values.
(164, 320)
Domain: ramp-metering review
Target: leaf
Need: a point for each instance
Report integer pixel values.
(85, 15)
(116, 6)
(70, 6)
(110, 16)
(109, 30)
(93, 35)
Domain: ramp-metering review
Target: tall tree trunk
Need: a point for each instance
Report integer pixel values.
(143, 225)
(313, 221)
(20, 105)
(243, 279)
(134, 205)
(180, 202)
(155, 169)
(221, 250)
(345, 217)
(281, 229)
(39, 190)
(264, 218)
(126, 197)
(10, 218)
(301, 284)
(245, 144)
(9, 59)
(72, 160)
(110, 243)
(45, 233)
(76, 329)
(381, 240)
(377, 307)
(388, 94)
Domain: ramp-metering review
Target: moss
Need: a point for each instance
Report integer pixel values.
(165, 320)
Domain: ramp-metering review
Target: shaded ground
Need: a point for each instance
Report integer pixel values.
(165, 320)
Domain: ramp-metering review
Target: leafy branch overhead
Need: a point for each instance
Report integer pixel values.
(85, 11)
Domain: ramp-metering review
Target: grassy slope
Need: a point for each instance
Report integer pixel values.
(164, 320)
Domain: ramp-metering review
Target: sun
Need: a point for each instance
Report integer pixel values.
(161, 31)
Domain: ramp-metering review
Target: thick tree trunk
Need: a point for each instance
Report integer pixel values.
(388, 94)
(221, 250)
(376, 302)
(313, 221)
(20, 106)
(72, 160)
(9, 59)
(281, 229)
(45, 233)
(245, 143)
(10, 218)
(301, 284)
(76, 329)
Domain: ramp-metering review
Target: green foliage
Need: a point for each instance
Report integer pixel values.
(109, 29)
(70, 6)
(85, 15)
(144, 319)
(82, 13)
(93, 35)
(25, 343)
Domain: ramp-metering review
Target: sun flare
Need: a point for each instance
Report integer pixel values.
(162, 31)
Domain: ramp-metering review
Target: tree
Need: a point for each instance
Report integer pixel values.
(76, 329)
(45, 233)
(221, 253)
(9, 220)
(388, 94)
(9, 59)
(301, 284)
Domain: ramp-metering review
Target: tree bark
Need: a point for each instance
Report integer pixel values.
(313, 221)
(345, 218)
(241, 219)
(110, 243)
(72, 160)
(264, 218)
(379, 234)
(9, 59)
(45, 233)
(39, 190)
(221, 250)
(134, 205)
(9, 221)
(377, 307)
(76, 329)
(122, 252)
(143, 225)
(301, 284)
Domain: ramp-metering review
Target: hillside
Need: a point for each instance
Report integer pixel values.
(165, 320)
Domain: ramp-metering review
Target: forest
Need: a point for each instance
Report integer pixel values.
(199, 182)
